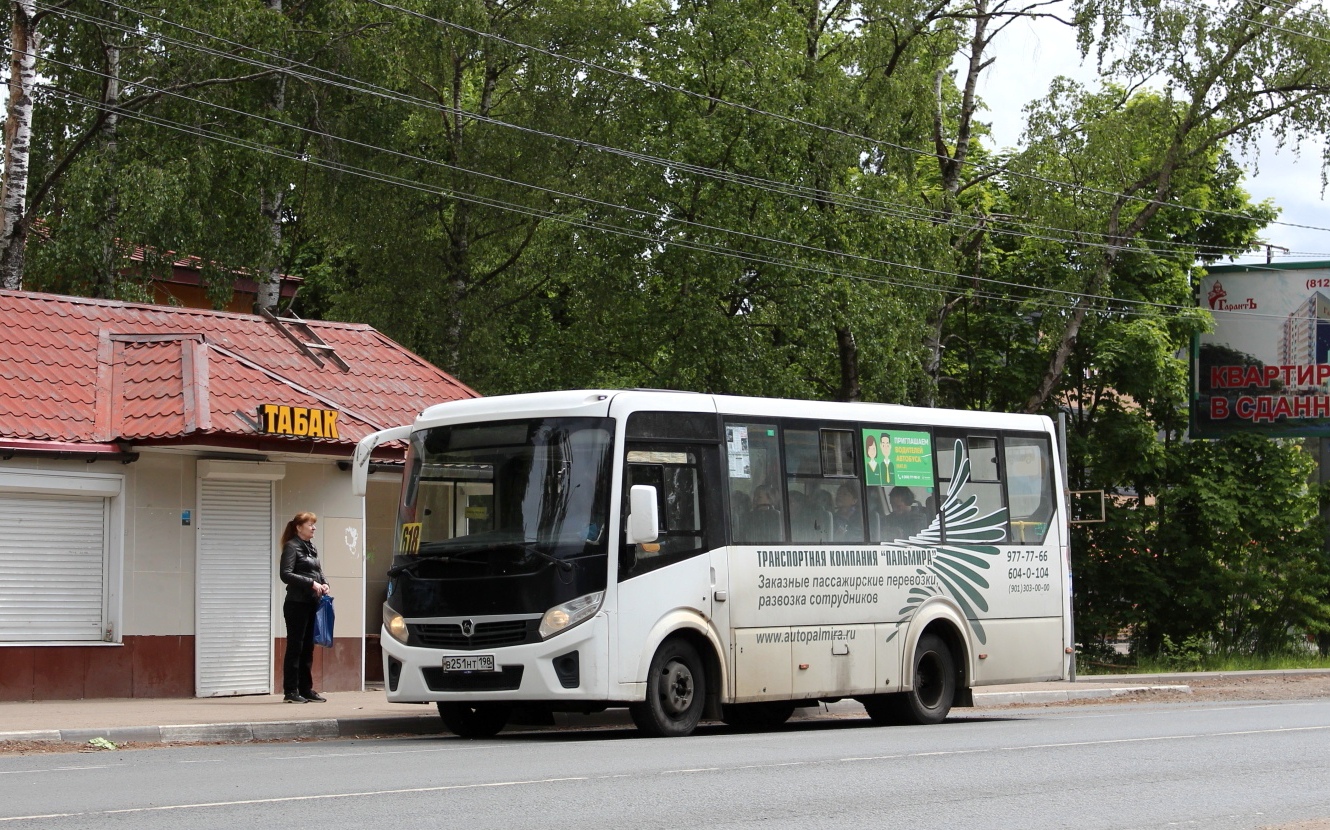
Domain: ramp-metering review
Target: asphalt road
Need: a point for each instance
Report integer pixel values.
(1204, 765)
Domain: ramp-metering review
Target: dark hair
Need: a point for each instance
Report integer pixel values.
(901, 491)
(290, 532)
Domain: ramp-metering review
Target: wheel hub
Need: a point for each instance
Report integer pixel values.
(678, 688)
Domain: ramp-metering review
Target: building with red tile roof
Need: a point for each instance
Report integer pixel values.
(150, 453)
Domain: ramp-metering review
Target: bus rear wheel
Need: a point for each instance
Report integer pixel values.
(934, 688)
(676, 692)
(757, 716)
(474, 720)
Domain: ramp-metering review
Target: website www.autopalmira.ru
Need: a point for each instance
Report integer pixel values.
(802, 636)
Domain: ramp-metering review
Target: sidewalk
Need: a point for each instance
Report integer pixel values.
(360, 714)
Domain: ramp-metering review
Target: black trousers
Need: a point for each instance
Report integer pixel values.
(298, 662)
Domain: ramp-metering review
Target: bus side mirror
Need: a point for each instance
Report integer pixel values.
(643, 515)
(364, 449)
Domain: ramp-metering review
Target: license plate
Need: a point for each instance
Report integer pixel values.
(470, 662)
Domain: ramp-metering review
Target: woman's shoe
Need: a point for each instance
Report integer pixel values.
(294, 697)
(313, 697)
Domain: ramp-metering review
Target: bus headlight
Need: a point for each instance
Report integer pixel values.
(562, 617)
(394, 624)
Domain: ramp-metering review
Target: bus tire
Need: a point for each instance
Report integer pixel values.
(757, 716)
(676, 692)
(934, 684)
(474, 720)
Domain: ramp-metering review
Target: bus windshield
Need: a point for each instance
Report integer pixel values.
(505, 498)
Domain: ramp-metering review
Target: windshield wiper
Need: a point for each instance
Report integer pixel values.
(561, 564)
(405, 567)
(424, 556)
(398, 570)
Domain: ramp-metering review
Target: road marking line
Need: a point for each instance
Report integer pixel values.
(449, 787)
(682, 771)
(51, 769)
(1104, 742)
(292, 798)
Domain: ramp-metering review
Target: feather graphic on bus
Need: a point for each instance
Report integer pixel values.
(959, 564)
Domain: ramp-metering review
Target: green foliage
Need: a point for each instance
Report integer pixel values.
(1230, 553)
(174, 170)
(1188, 656)
(538, 218)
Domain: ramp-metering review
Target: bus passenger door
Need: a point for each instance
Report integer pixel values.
(677, 574)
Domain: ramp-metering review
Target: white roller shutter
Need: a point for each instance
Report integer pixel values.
(233, 634)
(53, 568)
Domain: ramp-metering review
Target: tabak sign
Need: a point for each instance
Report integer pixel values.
(298, 421)
(1266, 366)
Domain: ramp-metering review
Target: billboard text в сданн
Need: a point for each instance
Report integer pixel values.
(1266, 366)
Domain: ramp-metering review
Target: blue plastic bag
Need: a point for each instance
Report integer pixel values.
(323, 622)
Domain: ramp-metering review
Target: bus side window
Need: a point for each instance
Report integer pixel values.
(824, 492)
(675, 472)
(980, 482)
(756, 494)
(898, 467)
(1029, 487)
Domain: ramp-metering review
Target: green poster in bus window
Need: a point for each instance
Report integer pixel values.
(895, 457)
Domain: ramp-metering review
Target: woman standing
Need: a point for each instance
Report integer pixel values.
(305, 584)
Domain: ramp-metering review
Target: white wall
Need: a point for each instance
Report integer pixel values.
(159, 547)
(157, 591)
(323, 489)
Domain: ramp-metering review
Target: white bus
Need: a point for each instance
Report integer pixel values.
(689, 555)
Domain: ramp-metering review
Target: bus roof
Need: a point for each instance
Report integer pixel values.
(597, 403)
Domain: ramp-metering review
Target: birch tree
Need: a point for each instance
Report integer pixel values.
(24, 43)
(1226, 72)
(159, 130)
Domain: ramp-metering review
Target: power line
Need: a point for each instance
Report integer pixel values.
(652, 238)
(1076, 297)
(801, 122)
(1264, 24)
(868, 205)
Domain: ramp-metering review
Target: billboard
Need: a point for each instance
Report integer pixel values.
(1266, 366)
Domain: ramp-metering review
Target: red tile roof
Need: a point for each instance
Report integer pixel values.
(82, 371)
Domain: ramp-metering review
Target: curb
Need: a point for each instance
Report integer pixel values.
(238, 732)
(429, 724)
(986, 699)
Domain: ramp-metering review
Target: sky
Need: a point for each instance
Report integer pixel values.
(1032, 53)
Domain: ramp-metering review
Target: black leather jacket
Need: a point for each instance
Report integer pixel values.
(300, 570)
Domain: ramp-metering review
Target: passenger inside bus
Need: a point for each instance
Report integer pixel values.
(810, 515)
(765, 522)
(849, 519)
(906, 517)
(740, 505)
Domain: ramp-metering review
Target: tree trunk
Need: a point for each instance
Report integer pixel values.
(848, 349)
(270, 282)
(24, 42)
(270, 205)
(106, 280)
(951, 162)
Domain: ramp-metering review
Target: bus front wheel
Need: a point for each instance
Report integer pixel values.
(474, 720)
(934, 688)
(676, 692)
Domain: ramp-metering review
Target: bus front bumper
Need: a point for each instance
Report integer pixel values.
(569, 666)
